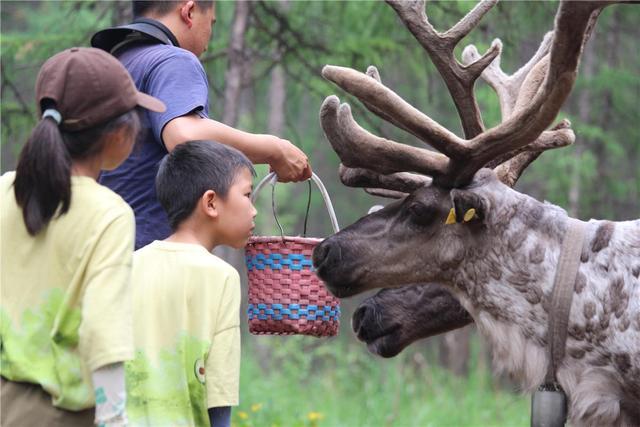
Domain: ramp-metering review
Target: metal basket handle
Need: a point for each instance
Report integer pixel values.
(272, 179)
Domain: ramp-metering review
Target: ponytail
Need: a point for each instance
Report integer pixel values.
(43, 176)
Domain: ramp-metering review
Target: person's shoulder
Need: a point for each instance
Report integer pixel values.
(214, 265)
(6, 190)
(223, 266)
(10, 175)
(211, 267)
(100, 194)
(188, 256)
(145, 253)
(179, 52)
(6, 180)
(98, 199)
(165, 53)
(157, 56)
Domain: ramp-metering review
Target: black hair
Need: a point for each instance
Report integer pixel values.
(160, 7)
(43, 173)
(193, 168)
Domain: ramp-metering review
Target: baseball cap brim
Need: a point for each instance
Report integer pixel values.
(150, 103)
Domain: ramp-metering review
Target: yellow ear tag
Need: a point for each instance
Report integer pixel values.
(469, 215)
(451, 219)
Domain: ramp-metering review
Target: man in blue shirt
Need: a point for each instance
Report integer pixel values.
(160, 50)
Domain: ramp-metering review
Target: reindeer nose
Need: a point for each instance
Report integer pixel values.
(356, 319)
(361, 316)
(326, 255)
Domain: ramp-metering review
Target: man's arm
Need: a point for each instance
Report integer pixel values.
(287, 160)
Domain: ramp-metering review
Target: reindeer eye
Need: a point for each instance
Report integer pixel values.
(421, 214)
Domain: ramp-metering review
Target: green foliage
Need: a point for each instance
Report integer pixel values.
(304, 36)
(310, 382)
(31, 33)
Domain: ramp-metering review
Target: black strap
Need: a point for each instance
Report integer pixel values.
(167, 36)
(141, 29)
(562, 296)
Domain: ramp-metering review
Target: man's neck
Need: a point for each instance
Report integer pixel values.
(171, 23)
(162, 25)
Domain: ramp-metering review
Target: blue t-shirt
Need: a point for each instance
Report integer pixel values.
(176, 77)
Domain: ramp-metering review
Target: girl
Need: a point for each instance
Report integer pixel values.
(67, 244)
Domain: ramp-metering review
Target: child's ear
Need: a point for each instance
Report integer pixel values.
(210, 203)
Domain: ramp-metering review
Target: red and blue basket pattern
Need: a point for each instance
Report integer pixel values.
(285, 295)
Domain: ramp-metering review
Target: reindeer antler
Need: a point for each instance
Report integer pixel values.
(507, 87)
(440, 46)
(530, 99)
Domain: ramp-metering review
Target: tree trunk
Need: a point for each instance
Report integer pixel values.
(278, 88)
(235, 69)
(233, 88)
(233, 83)
(122, 13)
(277, 96)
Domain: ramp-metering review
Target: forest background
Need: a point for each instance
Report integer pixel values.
(263, 65)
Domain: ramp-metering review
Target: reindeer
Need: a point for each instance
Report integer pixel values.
(394, 318)
(457, 222)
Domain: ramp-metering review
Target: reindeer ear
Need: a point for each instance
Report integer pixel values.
(468, 206)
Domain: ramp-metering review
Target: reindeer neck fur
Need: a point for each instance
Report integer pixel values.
(505, 283)
(506, 278)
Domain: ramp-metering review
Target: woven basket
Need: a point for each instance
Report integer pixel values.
(285, 295)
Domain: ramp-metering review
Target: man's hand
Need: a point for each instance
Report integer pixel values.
(289, 162)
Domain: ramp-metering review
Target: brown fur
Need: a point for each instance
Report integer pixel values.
(603, 236)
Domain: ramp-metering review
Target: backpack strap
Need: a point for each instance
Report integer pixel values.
(141, 29)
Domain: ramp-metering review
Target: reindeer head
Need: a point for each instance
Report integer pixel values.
(394, 318)
(448, 204)
(423, 237)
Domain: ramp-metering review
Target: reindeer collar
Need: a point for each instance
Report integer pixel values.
(562, 294)
(548, 405)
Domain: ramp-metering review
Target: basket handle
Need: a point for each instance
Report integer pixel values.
(272, 179)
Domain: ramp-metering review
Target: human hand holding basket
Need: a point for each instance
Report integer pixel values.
(285, 295)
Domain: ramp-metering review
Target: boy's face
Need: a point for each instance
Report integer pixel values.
(236, 212)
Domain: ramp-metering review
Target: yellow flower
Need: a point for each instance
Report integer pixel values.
(256, 407)
(315, 416)
(243, 415)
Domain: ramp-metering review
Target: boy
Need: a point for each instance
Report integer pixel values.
(186, 301)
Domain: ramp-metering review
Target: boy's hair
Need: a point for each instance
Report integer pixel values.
(160, 7)
(190, 170)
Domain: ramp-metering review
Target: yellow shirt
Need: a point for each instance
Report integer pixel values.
(186, 305)
(66, 305)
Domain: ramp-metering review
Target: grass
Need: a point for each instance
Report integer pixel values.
(300, 381)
